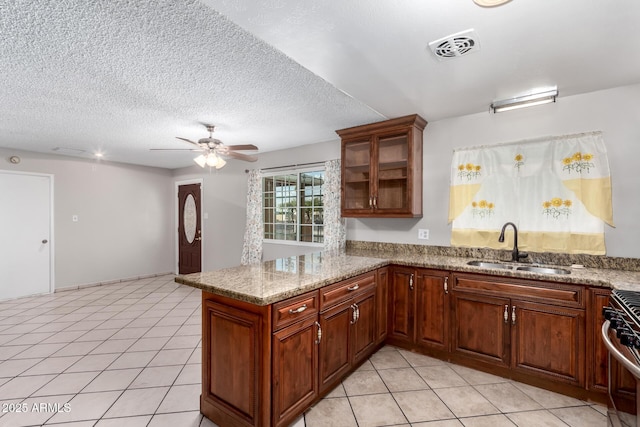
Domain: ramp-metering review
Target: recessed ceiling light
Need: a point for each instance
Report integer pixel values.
(490, 3)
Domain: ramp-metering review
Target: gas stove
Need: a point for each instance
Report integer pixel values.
(621, 336)
(624, 317)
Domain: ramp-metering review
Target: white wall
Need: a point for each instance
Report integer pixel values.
(616, 112)
(123, 217)
(224, 200)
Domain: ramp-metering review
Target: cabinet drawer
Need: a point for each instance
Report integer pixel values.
(342, 291)
(293, 309)
(562, 294)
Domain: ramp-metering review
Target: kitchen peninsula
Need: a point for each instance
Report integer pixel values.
(279, 335)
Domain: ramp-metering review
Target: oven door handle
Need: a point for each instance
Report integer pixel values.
(635, 370)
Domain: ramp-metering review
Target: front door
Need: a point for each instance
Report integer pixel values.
(25, 234)
(189, 229)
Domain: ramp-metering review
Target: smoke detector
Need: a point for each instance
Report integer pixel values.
(455, 45)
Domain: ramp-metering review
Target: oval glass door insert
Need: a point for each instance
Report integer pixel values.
(190, 219)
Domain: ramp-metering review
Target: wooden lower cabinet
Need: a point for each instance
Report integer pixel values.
(382, 291)
(236, 376)
(597, 354)
(364, 329)
(265, 365)
(548, 341)
(419, 309)
(335, 347)
(533, 332)
(481, 328)
(401, 295)
(295, 370)
(432, 310)
(350, 335)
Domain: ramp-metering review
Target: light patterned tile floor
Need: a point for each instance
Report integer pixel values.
(128, 355)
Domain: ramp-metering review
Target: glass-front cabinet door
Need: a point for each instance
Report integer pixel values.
(392, 169)
(356, 175)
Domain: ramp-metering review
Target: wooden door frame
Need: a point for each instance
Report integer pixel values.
(177, 219)
(50, 177)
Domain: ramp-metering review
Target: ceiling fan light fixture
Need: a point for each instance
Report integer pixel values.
(212, 160)
(201, 160)
(221, 163)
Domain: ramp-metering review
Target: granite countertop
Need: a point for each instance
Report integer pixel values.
(272, 281)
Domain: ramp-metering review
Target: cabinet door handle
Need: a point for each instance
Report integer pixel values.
(446, 285)
(354, 319)
(375, 202)
(506, 313)
(370, 202)
(319, 333)
(513, 315)
(411, 282)
(300, 309)
(357, 312)
(353, 288)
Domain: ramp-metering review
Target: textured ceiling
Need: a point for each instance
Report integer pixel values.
(122, 77)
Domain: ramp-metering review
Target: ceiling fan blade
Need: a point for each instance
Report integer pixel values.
(176, 149)
(240, 156)
(242, 147)
(189, 141)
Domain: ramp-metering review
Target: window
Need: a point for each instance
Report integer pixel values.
(293, 207)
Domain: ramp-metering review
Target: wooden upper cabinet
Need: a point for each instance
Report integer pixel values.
(382, 168)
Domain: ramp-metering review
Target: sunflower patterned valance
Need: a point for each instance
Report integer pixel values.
(557, 191)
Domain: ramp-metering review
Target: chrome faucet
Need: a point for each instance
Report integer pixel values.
(515, 254)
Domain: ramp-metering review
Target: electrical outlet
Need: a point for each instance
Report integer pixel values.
(423, 234)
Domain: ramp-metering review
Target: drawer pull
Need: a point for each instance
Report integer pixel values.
(353, 288)
(506, 313)
(300, 309)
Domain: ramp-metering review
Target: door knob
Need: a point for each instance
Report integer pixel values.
(45, 241)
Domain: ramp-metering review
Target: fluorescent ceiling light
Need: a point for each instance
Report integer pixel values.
(524, 101)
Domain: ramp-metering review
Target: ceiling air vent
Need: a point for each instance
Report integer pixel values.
(455, 45)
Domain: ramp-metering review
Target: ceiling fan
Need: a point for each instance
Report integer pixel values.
(214, 150)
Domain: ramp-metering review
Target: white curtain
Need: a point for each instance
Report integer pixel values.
(254, 231)
(557, 190)
(335, 234)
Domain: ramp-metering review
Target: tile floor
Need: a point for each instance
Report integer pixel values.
(128, 355)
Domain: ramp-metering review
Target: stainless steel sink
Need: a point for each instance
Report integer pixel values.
(486, 264)
(529, 268)
(543, 270)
